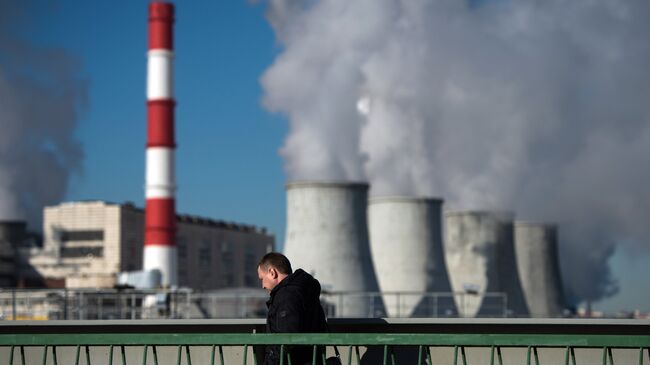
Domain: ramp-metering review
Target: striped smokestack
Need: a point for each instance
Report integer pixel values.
(160, 220)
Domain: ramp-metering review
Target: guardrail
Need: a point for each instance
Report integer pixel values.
(359, 341)
(184, 303)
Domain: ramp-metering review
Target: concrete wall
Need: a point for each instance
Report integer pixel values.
(538, 267)
(406, 245)
(480, 256)
(327, 235)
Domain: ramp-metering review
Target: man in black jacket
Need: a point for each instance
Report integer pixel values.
(294, 306)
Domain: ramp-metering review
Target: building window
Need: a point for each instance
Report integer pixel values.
(229, 280)
(181, 252)
(82, 251)
(205, 254)
(87, 235)
(251, 281)
(181, 247)
(226, 263)
(250, 258)
(225, 247)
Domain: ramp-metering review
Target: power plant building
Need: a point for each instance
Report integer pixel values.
(87, 244)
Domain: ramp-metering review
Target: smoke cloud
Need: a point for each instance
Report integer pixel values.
(536, 106)
(41, 96)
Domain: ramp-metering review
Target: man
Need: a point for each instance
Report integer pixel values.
(294, 306)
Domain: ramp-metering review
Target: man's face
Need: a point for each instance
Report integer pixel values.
(268, 277)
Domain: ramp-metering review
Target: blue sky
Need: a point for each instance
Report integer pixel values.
(228, 166)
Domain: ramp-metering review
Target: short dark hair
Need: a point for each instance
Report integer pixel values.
(278, 261)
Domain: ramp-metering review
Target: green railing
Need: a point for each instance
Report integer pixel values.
(187, 344)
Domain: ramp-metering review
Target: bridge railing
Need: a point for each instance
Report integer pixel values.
(383, 342)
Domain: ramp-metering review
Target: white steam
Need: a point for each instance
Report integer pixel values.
(542, 107)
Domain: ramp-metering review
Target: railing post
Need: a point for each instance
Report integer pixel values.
(174, 302)
(399, 310)
(132, 305)
(144, 355)
(65, 303)
(462, 304)
(81, 305)
(281, 354)
(100, 306)
(13, 304)
(435, 305)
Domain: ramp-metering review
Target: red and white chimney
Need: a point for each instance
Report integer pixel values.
(160, 211)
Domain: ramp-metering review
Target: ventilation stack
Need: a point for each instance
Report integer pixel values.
(160, 210)
(539, 270)
(406, 245)
(480, 257)
(327, 236)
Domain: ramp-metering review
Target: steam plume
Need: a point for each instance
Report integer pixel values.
(537, 106)
(40, 99)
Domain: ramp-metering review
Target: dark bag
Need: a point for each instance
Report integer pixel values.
(334, 360)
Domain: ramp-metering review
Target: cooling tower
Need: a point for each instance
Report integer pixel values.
(406, 245)
(539, 271)
(327, 236)
(480, 257)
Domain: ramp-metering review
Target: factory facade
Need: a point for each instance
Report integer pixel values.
(87, 244)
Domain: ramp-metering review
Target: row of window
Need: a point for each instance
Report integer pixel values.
(82, 251)
(84, 235)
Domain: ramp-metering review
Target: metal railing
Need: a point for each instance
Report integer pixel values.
(85, 304)
(435, 342)
(407, 304)
(107, 304)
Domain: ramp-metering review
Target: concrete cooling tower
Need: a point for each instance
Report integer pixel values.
(480, 256)
(406, 245)
(539, 270)
(327, 236)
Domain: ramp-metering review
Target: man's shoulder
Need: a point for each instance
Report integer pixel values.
(288, 293)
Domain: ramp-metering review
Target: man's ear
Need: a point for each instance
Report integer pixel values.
(274, 272)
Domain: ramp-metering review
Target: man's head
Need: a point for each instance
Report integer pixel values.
(272, 269)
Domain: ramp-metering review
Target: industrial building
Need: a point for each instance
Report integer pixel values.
(87, 244)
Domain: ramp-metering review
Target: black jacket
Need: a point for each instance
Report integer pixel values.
(294, 307)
